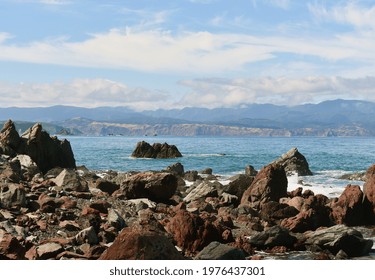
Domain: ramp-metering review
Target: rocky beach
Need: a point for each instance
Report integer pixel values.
(52, 209)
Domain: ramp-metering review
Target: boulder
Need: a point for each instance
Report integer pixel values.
(218, 251)
(28, 167)
(250, 170)
(10, 247)
(274, 236)
(294, 162)
(340, 237)
(176, 168)
(192, 233)
(314, 214)
(10, 171)
(238, 184)
(48, 250)
(69, 180)
(141, 243)
(349, 207)
(270, 184)
(158, 187)
(46, 151)
(12, 195)
(203, 190)
(369, 195)
(157, 150)
(106, 186)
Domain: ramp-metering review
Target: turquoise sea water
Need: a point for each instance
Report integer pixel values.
(328, 157)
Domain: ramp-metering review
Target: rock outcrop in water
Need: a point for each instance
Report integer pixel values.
(294, 162)
(46, 151)
(157, 150)
(71, 213)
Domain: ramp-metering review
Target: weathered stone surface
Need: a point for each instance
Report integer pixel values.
(269, 185)
(87, 235)
(238, 185)
(159, 187)
(69, 180)
(349, 207)
(294, 162)
(48, 251)
(203, 190)
(340, 237)
(28, 167)
(176, 168)
(12, 195)
(250, 171)
(10, 247)
(157, 150)
(191, 232)
(369, 195)
(141, 243)
(273, 210)
(274, 236)
(218, 251)
(9, 138)
(106, 186)
(314, 214)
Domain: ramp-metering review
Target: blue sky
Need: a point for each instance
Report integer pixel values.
(172, 54)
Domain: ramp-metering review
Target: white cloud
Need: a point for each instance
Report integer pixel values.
(351, 13)
(80, 92)
(194, 52)
(227, 93)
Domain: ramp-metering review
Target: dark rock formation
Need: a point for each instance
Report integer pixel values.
(157, 150)
(159, 187)
(294, 162)
(46, 151)
(349, 207)
(274, 236)
(218, 251)
(340, 237)
(369, 195)
(270, 184)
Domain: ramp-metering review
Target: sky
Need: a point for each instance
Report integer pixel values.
(154, 54)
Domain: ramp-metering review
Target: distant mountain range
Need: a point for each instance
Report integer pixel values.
(330, 118)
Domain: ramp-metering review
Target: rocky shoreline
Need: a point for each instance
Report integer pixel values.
(52, 209)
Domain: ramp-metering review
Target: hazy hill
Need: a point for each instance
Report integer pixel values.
(329, 118)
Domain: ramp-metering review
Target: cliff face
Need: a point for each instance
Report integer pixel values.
(105, 128)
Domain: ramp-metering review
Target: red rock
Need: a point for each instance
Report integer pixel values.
(48, 204)
(68, 203)
(191, 232)
(141, 243)
(369, 193)
(270, 184)
(100, 205)
(10, 247)
(349, 208)
(48, 251)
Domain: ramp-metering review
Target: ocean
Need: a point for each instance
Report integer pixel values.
(328, 157)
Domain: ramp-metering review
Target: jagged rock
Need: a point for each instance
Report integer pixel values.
(46, 151)
(238, 184)
(218, 251)
(349, 207)
(358, 176)
(10, 247)
(273, 210)
(176, 168)
(192, 176)
(141, 243)
(250, 171)
(157, 150)
(28, 167)
(369, 195)
(294, 162)
(69, 180)
(340, 237)
(158, 187)
(10, 171)
(270, 184)
(87, 235)
(314, 214)
(114, 219)
(191, 232)
(12, 195)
